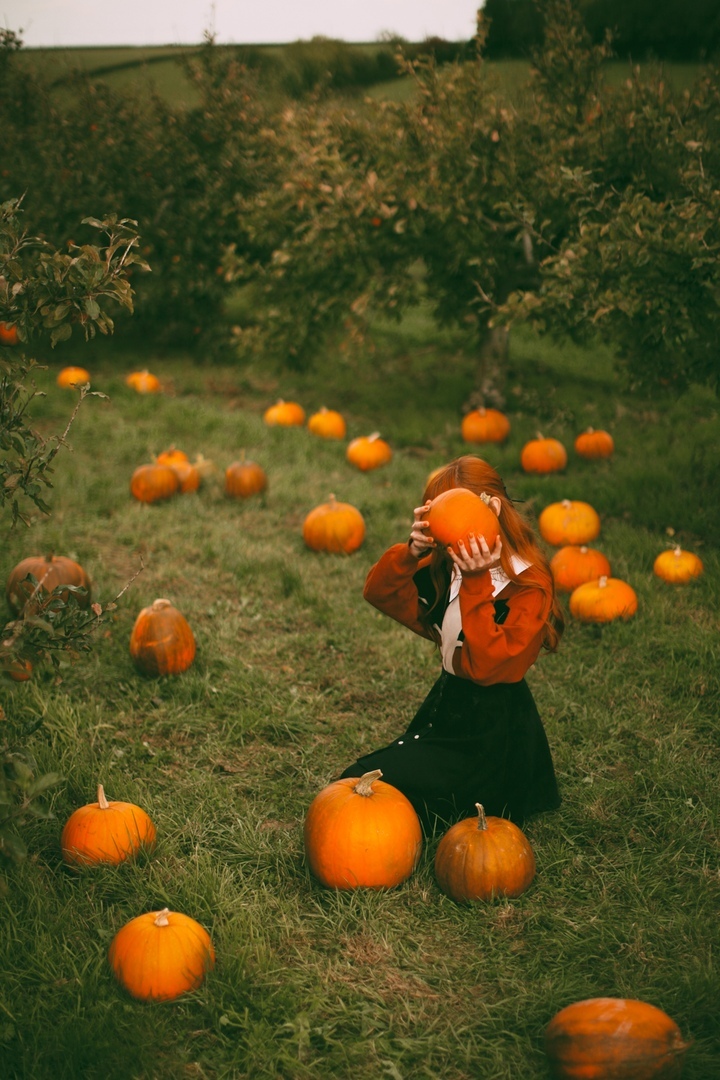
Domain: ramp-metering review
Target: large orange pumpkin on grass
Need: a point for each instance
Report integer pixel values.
(457, 512)
(677, 567)
(603, 600)
(569, 522)
(541, 455)
(72, 377)
(485, 426)
(153, 483)
(160, 955)
(572, 566)
(368, 452)
(144, 382)
(481, 858)
(106, 831)
(334, 526)
(608, 1038)
(161, 642)
(362, 833)
(327, 423)
(245, 478)
(593, 444)
(50, 571)
(284, 414)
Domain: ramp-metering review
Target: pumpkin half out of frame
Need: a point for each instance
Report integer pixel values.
(160, 955)
(106, 831)
(162, 642)
(612, 1038)
(334, 526)
(457, 512)
(481, 858)
(362, 832)
(50, 571)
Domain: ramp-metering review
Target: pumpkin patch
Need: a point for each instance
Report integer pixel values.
(106, 831)
(485, 426)
(368, 452)
(677, 567)
(569, 522)
(543, 455)
(160, 955)
(483, 858)
(603, 600)
(573, 565)
(284, 414)
(161, 642)
(334, 526)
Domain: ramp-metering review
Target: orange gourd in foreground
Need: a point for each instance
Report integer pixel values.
(161, 642)
(285, 414)
(569, 522)
(244, 478)
(106, 832)
(153, 483)
(362, 832)
(144, 382)
(455, 513)
(603, 600)
(677, 567)
(485, 426)
(614, 1039)
(368, 452)
(327, 423)
(72, 377)
(481, 858)
(160, 955)
(541, 455)
(334, 526)
(572, 566)
(50, 571)
(593, 444)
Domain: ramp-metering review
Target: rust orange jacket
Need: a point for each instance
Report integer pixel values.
(487, 651)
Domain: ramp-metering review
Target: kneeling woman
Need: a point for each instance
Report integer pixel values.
(478, 736)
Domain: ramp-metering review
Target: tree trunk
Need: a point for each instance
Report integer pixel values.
(489, 390)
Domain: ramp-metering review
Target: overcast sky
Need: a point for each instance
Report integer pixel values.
(167, 22)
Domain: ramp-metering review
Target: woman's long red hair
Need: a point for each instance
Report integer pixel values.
(518, 537)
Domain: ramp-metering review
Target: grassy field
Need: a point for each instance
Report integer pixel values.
(296, 675)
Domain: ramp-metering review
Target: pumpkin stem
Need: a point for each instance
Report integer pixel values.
(375, 435)
(160, 603)
(331, 499)
(102, 799)
(161, 919)
(583, 550)
(482, 820)
(366, 781)
(566, 503)
(678, 552)
(603, 581)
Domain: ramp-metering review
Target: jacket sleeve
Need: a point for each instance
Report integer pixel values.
(391, 589)
(491, 652)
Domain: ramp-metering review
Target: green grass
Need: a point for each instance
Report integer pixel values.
(296, 675)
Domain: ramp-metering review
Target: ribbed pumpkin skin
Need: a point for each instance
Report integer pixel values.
(569, 522)
(159, 963)
(188, 476)
(51, 571)
(335, 527)
(162, 642)
(71, 375)
(143, 382)
(614, 1039)
(543, 456)
(485, 426)
(603, 600)
(572, 566)
(245, 478)
(152, 483)
(455, 513)
(93, 834)
(593, 444)
(285, 414)
(677, 567)
(328, 424)
(368, 452)
(473, 862)
(354, 840)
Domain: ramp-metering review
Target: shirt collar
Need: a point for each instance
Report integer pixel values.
(497, 574)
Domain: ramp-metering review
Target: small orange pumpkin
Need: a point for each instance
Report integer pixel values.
(541, 455)
(152, 483)
(171, 456)
(368, 452)
(603, 600)
(161, 642)
(143, 382)
(457, 512)
(160, 955)
(106, 832)
(17, 668)
(481, 858)
(677, 567)
(485, 426)
(50, 571)
(592, 444)
(572, 566)
(285, 414)
(9, 334)
(614, 1037)
(72, 377)
(245, 478)
(362, 832)
(328, 424)
(188, 476)
(569, 522)
(334, 526)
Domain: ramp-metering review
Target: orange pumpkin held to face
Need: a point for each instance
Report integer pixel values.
(481, 858)
(543, 455)
(368, 452)
(284, 414)
(593, 444)
(572, 566)
(457, 512)
(143, 382)
(485, 426)
(569, 522)
(160, 955)
(73, 377)
(245, 478)
(334, 526)
(153, 483)
(162, 642)
(603, 600)
(50, 571)
(362, 833)
(614, 1037)
(677, 567)
(327, 423)
(106, 832)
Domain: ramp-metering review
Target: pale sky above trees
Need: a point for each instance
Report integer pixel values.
(163, 22)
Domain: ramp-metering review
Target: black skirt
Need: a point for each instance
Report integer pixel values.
(470, 744)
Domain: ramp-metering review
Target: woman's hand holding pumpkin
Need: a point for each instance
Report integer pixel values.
(420, 543)
(478, 557)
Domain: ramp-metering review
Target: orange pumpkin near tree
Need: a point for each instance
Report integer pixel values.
(50, 571)
(481, 858)
(153, 483)
(144, 382)
(569, 522)
(677, 567)
(541, 455)
(603, 600)
(485, 426)
(9, 334)
(592, 444)
(362, 833)
(160, 955)
(161, 642)
(572, 566)
(106, 831)
(72, 377)
(368, 452)
(334, 526)
(457, 512)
